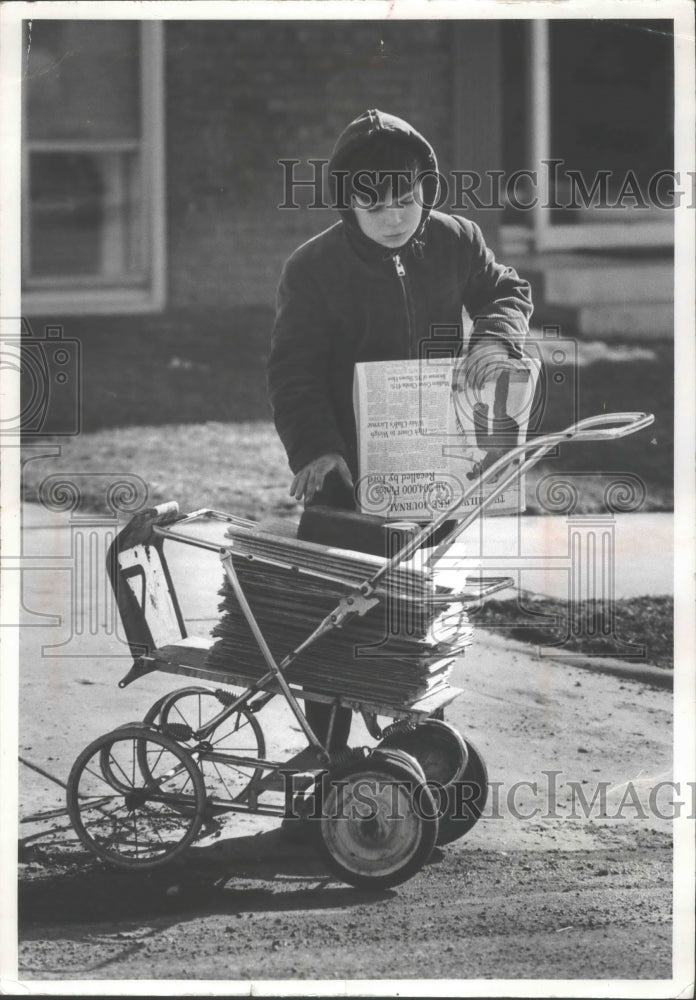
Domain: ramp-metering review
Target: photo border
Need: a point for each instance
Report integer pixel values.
(11, 16)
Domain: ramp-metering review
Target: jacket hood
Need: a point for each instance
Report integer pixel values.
(359, 134)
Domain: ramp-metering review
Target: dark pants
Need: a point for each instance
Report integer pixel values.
(319, 716)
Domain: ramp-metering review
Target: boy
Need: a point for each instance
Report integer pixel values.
(375, 287)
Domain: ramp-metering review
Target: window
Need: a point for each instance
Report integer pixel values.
(600, 101)
(92, 167)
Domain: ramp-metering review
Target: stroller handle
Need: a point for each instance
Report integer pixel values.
(602, 427)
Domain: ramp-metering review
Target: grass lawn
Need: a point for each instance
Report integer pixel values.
(639, 621)
(240, 467)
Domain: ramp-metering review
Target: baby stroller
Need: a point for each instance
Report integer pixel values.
(301, 621)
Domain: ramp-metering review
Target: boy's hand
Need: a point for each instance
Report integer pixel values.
(483, 362)
(311, 478)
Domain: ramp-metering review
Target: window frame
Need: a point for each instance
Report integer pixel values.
(80, 296)
(656, 231)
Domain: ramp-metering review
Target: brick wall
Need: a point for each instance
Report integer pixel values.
(240, 95)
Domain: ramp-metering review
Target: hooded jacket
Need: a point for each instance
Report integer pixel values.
(343, 298)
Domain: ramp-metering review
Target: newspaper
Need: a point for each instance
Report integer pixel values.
(424, 437)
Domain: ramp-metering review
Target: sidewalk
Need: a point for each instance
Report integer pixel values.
(632, 554)
(535, 550)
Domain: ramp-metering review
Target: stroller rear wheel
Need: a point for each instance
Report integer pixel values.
(379, 821)
(456, 769)
(466, 798)
(436, 745)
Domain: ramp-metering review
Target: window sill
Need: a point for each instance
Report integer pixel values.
(91, 301)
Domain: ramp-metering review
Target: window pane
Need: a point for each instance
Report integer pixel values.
(84, 216)
(83, 80)
(612, 98)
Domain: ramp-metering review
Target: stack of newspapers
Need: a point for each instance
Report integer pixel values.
(399, 651)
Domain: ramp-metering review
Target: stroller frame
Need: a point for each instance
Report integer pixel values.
(138, 551)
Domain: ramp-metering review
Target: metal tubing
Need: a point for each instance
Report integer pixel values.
(198, 543)
(332, 721)
(462, 597)
(218, 757)
(582, 431)
(197, 515)
(274, 669)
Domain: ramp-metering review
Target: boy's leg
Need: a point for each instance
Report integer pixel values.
(319, 716)
(438, 535)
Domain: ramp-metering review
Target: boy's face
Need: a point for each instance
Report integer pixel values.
(393, 220)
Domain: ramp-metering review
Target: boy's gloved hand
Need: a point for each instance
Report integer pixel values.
(483, 361)
(310, 479)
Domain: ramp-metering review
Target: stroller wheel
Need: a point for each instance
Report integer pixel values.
(182, 713)
(151, 717)
(109, 764)
(436, 745)
(379, 821)
(126, 818)
(465, 799)
(454, 766)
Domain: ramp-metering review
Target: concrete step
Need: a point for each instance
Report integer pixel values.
(641, 320)
(575, 279)
(653, 282)
(638, 321)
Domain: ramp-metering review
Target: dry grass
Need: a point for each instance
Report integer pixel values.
(585, 627)
(239, 467)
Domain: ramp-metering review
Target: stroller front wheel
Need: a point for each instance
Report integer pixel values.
(182, 713)
(130, 818)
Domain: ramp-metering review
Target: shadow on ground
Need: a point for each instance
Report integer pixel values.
(237, 875)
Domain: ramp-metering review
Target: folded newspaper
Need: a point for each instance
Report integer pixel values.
(425, 438)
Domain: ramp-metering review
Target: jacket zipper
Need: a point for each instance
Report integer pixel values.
(408, 304)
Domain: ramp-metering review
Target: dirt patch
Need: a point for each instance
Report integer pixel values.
(467, 914)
